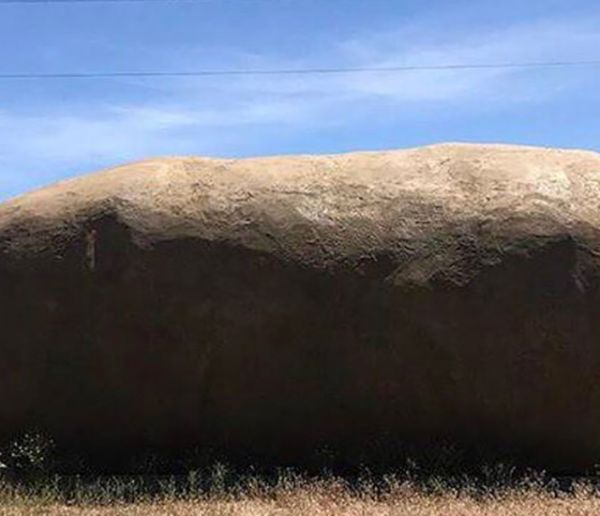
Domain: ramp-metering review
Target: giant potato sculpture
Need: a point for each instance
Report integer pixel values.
(270, 306)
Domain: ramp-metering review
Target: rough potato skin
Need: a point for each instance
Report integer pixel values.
(269, 306)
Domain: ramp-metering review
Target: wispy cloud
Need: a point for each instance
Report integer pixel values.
(211, 116)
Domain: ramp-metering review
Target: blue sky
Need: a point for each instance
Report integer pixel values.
(55, 129)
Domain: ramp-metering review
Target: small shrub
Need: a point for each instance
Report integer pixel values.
(31, 453)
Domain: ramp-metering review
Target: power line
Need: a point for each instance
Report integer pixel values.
(101, 1)
(294, 71)
(92, 1)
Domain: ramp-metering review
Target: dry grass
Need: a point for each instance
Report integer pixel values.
(295, 496)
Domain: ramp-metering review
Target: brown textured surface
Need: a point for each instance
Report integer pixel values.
(270, 305)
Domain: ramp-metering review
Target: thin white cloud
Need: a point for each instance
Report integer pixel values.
(210, 115)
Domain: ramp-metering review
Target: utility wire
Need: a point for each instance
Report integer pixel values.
(294, 71)
(90, 1)
(100, 1)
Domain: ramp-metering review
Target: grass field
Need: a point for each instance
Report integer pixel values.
(33, 481)
(295, 496)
